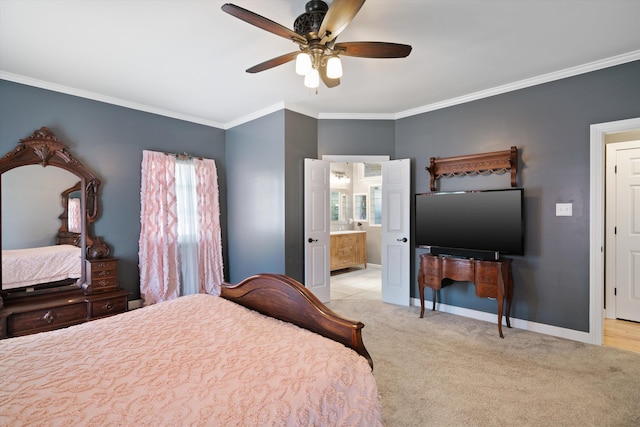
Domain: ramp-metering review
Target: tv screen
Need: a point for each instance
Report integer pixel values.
(490, 220)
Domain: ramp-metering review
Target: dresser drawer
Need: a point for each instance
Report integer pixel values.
(429, 261)
(432, 280)
(103, 264)
(107, 307)
(102, 275)
(104, 284)
(487, 290)
(46, 319)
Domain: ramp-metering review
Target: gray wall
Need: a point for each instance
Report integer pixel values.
(356, 137)
(265, 160)
(301, 141)
(109, 141)
(549, 124)
(255, 208)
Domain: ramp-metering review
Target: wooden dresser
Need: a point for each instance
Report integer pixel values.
(64, 300)
(101, 296)
(38, 313)
(348, 249)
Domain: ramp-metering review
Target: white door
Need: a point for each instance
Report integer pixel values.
(316, 227)
(396, 237)
(627, 234)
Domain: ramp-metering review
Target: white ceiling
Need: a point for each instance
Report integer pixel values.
(187, 58)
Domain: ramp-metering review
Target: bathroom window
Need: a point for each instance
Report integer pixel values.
(372, 170)
(360, 207)
(375, 205)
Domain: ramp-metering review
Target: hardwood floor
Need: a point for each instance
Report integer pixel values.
(622, 334)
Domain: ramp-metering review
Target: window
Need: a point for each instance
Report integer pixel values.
(372, 170)
(360, 207)
(375, 205)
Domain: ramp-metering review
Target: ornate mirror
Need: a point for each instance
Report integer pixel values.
(47, 217)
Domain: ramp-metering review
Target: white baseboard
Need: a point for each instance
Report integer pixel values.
(136, 303)
(541, 328)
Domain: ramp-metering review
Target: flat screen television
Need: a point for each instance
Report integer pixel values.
(477, 224)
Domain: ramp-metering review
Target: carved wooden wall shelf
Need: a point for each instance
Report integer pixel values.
(498, 162)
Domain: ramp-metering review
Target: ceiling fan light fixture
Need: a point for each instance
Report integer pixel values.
(334, 68)
(312, 79)
(315, 33)
(303, 64)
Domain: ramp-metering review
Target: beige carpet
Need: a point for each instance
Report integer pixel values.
(447, 370)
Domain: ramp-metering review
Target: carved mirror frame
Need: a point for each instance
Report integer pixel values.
(66, 236)
(45, 149)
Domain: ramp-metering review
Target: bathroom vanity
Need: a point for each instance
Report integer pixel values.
(348, 248)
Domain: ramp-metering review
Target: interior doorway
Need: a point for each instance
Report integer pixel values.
(622, 281)
(601, 134)
(353, 187)
(357, 283)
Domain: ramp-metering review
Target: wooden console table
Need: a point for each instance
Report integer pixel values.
(492, 279)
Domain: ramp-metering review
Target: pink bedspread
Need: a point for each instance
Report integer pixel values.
(26, 267)
(195, 360)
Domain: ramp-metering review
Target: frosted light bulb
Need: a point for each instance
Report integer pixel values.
(303, 64)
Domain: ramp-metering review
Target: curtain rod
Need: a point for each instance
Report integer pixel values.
(183, 156)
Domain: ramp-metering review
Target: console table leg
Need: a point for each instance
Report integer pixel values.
(421, 289)
(509, 292)
(500, 305)
(434, 294)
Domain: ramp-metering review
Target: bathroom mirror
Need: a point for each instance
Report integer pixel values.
(360, 207)
(339, 206)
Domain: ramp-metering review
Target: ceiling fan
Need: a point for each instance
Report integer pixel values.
(315, 32)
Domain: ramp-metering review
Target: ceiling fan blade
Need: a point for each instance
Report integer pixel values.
(373, 49)
(326, 80)
(273, 62)
(339, 15)
(262, 22)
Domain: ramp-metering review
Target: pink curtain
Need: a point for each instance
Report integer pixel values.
(210, 244)
(158, 245)
(159, 252)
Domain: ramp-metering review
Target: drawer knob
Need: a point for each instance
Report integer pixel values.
(109, 306)
(49, 317)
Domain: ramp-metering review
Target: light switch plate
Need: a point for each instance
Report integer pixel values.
(564, 209)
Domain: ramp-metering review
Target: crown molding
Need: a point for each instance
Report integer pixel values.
(103, 98)
(522, 84)
(255, 115)
(545, 78)
(357, 116)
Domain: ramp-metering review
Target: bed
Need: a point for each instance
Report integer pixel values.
(32, 266)
(267, 352)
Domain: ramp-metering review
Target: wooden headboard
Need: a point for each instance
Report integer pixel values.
(284, 298)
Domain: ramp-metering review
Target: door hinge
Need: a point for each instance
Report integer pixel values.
(615, 291)
(615, 169)
(615, 230)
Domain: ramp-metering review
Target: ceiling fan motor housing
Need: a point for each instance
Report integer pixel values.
(310, 21)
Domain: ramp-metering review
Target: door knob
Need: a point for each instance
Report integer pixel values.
(404, 239)
(312, 240)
